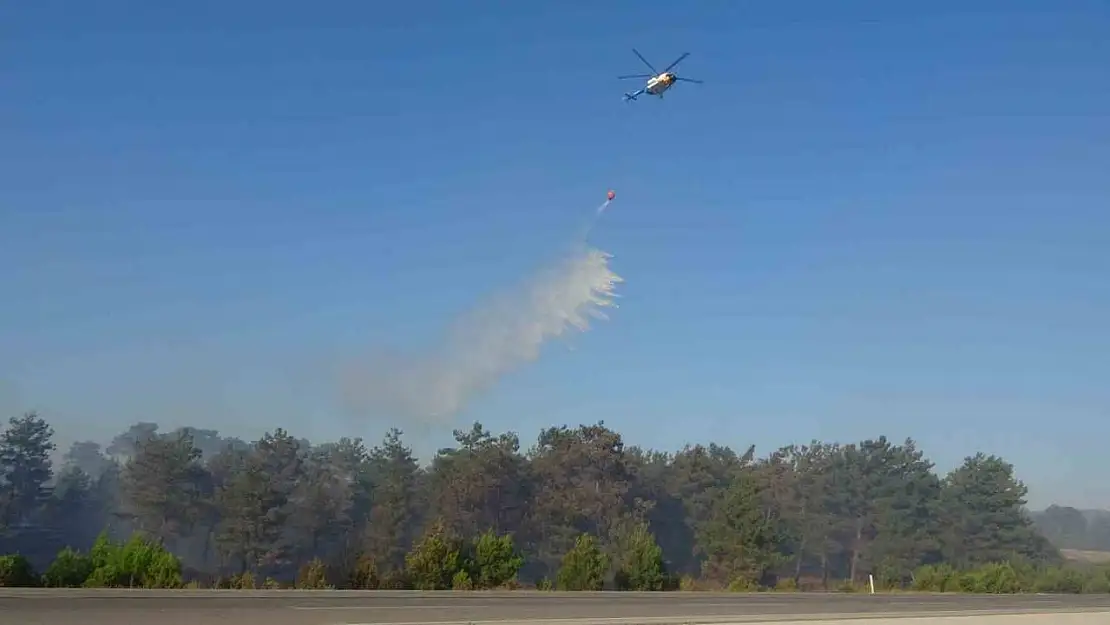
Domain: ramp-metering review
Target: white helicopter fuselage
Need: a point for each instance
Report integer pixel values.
(656, 85)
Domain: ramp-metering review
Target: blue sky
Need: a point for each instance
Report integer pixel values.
(873, 218)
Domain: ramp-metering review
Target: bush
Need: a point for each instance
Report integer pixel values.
(1060, 580)
(364, 575)
(939, 578)
(69, 569)
(1011, 577)
(583, 567)
(1026, 570)
(16, 572)
(1098, 583)
(396, 580)
(434, 561)
(138, 563)
(441, 561)
(462, 581)
(494, 561)
(643, 567)
(992, 579)
(313, 576)
(239, 581)
(743, 584)
(243, 581)
(786, 584)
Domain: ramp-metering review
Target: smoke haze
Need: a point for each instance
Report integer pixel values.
(498, 337)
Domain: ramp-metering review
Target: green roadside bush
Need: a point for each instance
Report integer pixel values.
(69, 569)
(441, 560)
(138, 563)
(935, 578)
(435, 560)
(462, 581)
(1012, 578)
(786, 584)
(583, 567)
(16, 572)
(493, 561)
(642, 566)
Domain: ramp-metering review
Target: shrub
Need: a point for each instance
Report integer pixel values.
(396, 580)
(313, 576)
(69, 569)
(1098, 583)
(462, 581)
(1060, 580)
(138, 563)
(643, 567)
(998, 579)
(743, 583)
(244, 581)
(583, 567)
(494, 560)
(786, 584)
(434, 561)
(364, 575)
(938, 578)
(16, 572)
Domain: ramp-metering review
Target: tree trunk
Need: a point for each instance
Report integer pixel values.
(799, 559)
(855, 551)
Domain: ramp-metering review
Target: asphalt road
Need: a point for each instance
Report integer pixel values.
(121, 607)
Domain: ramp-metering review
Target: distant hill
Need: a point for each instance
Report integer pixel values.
(1075, 530)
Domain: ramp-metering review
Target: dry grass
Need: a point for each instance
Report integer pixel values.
(1091, 557)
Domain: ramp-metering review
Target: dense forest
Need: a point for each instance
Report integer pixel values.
(820, 514)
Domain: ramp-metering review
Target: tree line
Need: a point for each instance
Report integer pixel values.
(577, 509)
(1071, 528)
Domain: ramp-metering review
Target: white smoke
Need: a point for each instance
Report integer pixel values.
(493, 340)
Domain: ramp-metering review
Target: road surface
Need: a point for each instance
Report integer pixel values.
(276, 607)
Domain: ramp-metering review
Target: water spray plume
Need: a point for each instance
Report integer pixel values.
(495, 339)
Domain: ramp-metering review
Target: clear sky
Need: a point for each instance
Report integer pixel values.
(873, 218)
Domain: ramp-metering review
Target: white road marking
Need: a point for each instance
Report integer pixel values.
(752, 618)
(483, 606)
(394, 607)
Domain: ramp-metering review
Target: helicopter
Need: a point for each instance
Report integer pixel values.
(658, 82)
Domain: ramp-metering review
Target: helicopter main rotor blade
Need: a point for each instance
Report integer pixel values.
(634, 76)
(654, 72)
(700, 82)
(676, 62)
